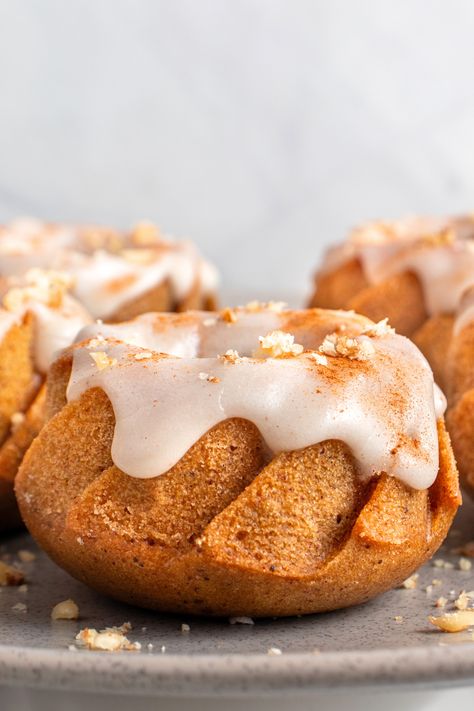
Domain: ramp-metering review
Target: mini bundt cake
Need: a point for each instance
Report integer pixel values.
(116, 275)
(412, 271)
(255, 461)
(38, 317)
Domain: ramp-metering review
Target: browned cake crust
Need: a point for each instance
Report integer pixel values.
(460, 391)
(225, 531)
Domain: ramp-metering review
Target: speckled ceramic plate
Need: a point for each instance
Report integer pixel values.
(388, 641)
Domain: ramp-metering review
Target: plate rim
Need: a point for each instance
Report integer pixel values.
(237, 674)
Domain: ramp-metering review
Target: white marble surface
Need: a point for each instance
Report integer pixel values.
(263, 128)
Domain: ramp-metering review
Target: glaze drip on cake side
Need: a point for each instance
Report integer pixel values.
(109, 268)
(439, 251)
(363, 385)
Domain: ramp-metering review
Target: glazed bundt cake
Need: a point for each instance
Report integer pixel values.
(256, 461)
(37, 319)
(412, 271)
(116, 275)
(110, 275)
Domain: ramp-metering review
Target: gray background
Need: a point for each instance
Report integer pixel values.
(261, 128)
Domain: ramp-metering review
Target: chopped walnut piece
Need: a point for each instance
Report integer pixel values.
(209, 378)
(145, 234)
(10, 575)
(231, 356)
(274, 652)
(111, 639)
(319, 358)
(352, 347)
(102, 360)
(228, 315)
(411, 582)
(65, 610)
(462, 601)
(278, 344)
(464, 564)
(438, 239)
(441, 602)
(381, 328)
(454, 621)
(185, 629)
(440, 563)
(143, 356)
(26, 556)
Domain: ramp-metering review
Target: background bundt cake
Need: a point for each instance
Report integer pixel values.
(460, 389)
(412, 271)
(114, 276)
(255, 461)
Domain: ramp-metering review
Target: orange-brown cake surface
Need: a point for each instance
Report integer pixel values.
(242, 462)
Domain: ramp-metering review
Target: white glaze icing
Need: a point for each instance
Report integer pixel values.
(445, 268)
(110, 268)
(384, 407)
(55, 324)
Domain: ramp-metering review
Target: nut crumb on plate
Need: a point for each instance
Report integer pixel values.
(10, 575)
(65, 610)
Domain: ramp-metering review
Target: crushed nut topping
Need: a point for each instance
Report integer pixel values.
(102, 360)
(438, 239)
(381, 328)
(26, 556)
(454, 621)
(47, 287)
(352, 347)
(65, 610)
(411, 582)
(209, 378)
(464, 564)
(96, 342)
(143, 356)
(441, 602)
(228, 315)
(278, 344)
(10, 575)
(231, 356)
(445, 564)
(462, 601)
(145, 234)
(274, 652)
(111, 639)
(185, 629)
(319, 358)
